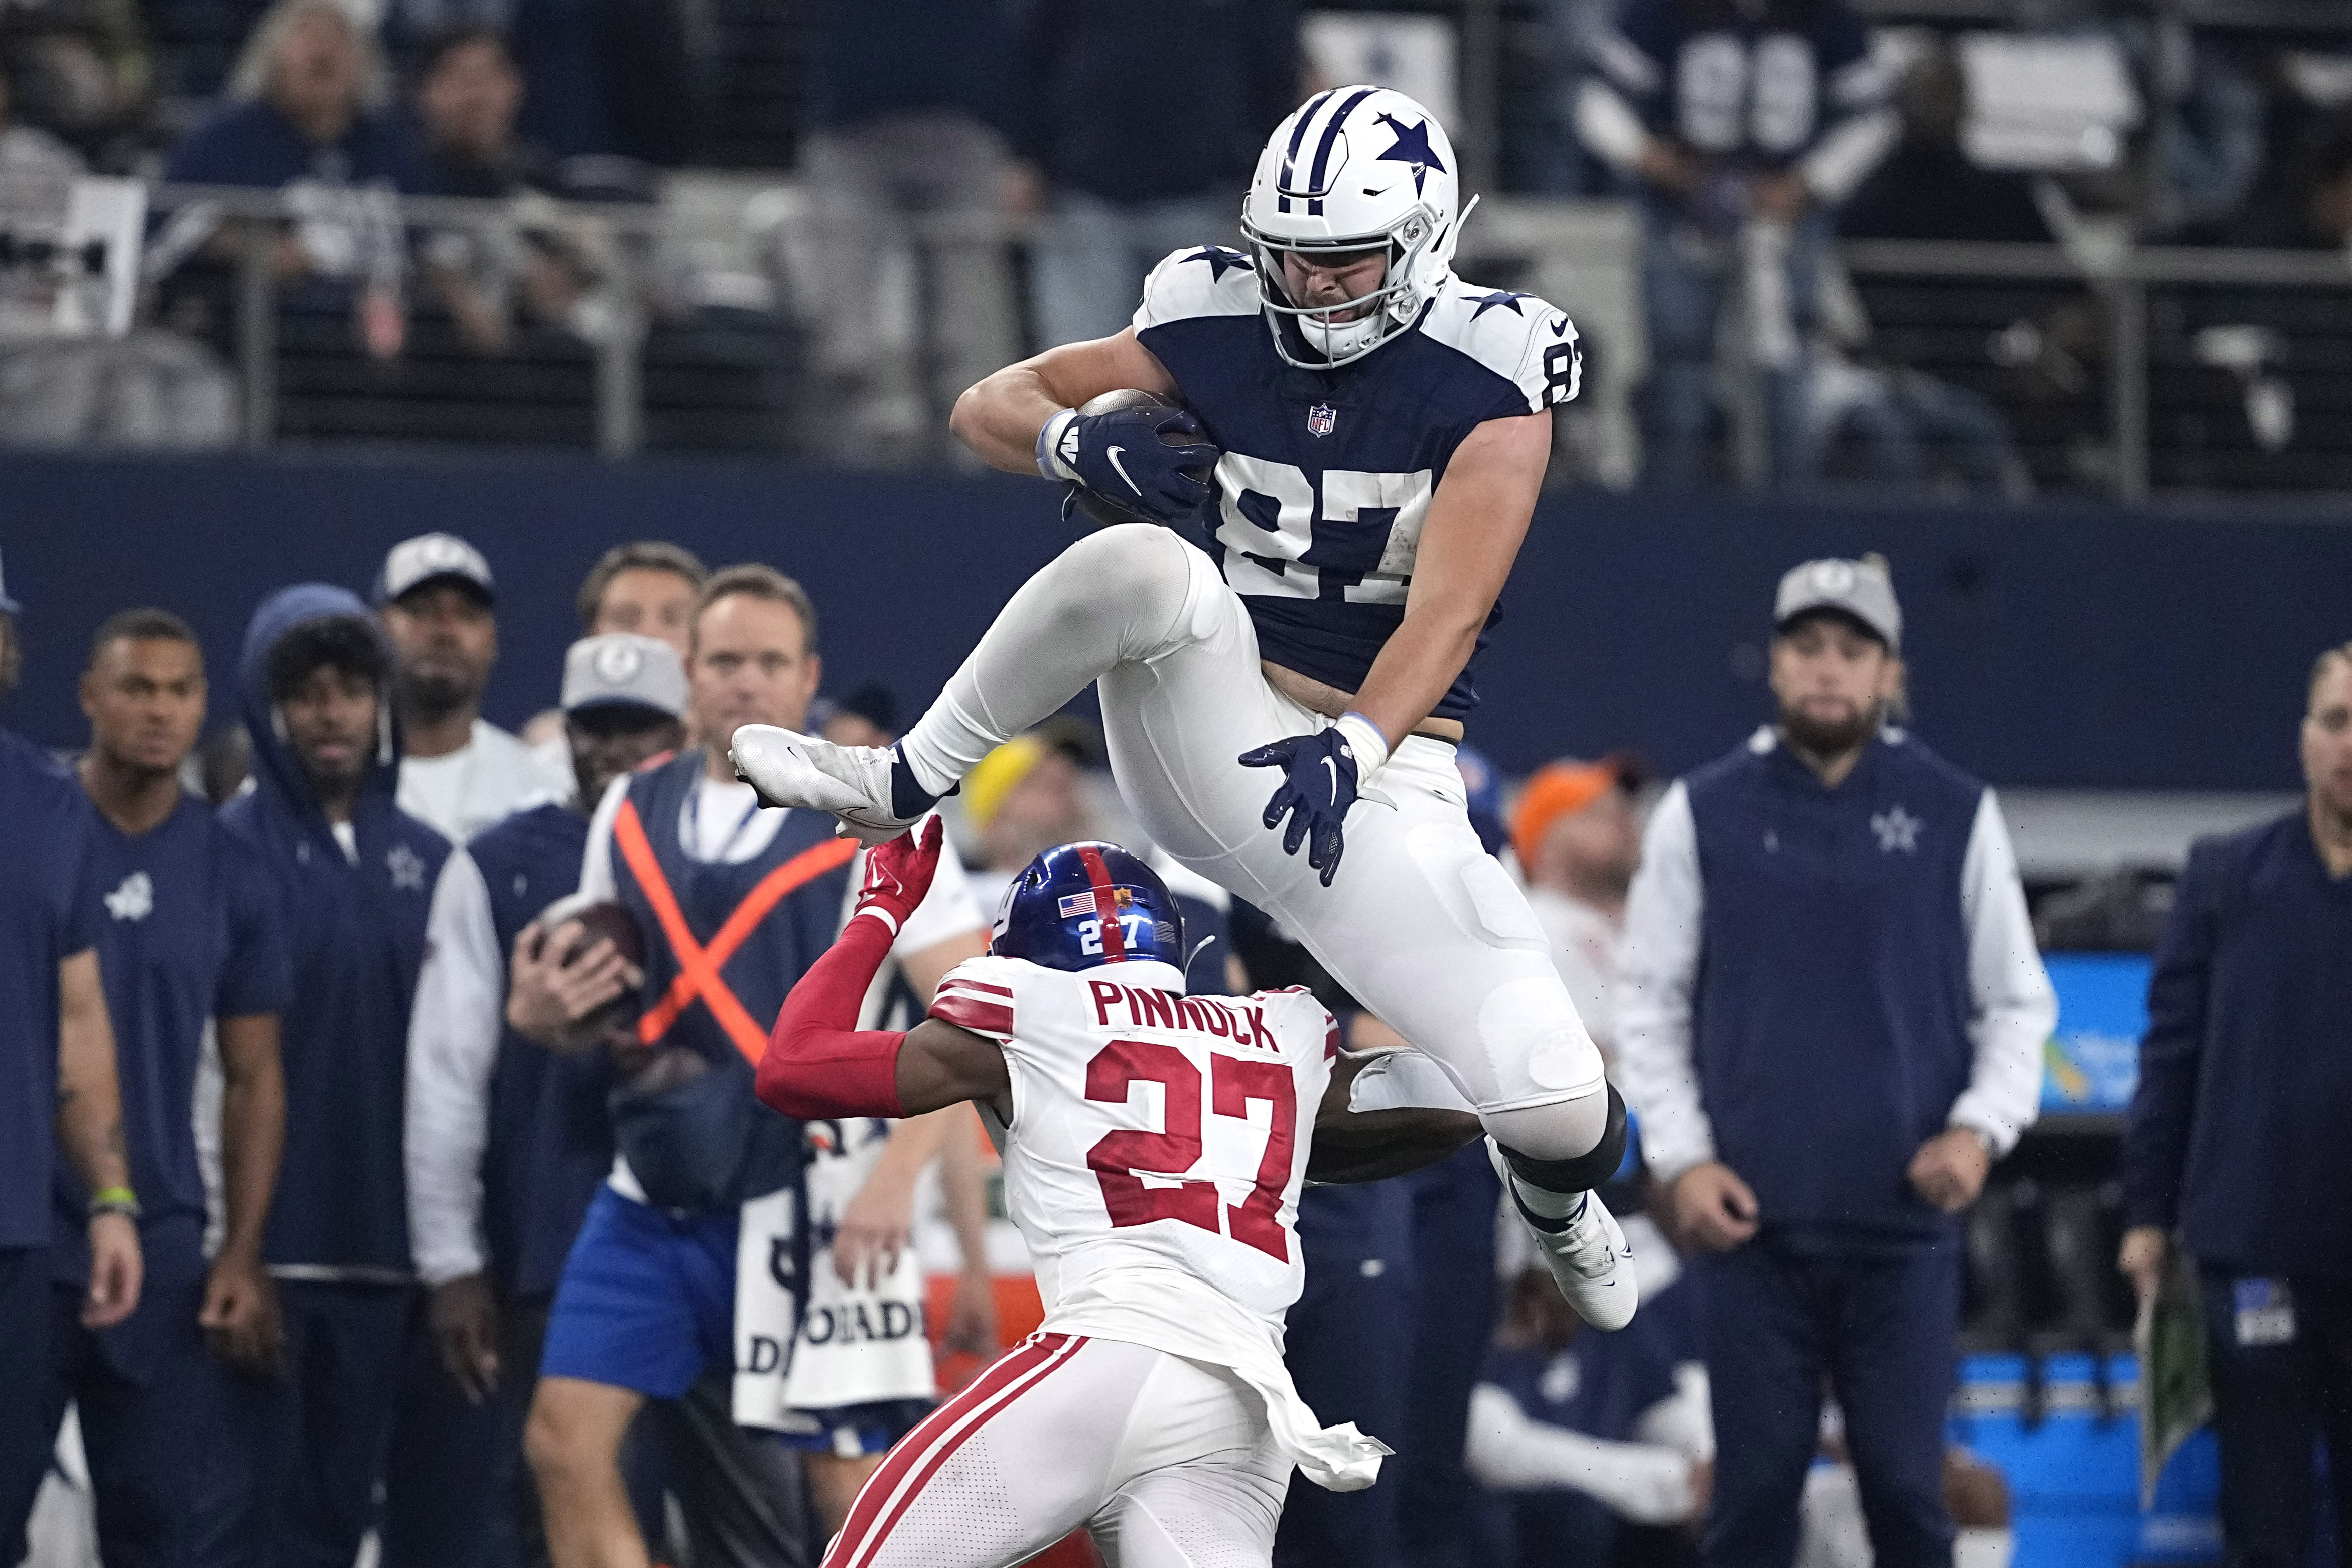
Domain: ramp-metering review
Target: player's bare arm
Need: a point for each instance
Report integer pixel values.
(1477, 520)
(239, 1316)
(89, 1133)
(1000, 416)
(1372, 1145)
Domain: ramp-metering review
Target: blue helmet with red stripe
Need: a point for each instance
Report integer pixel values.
(1082, 905)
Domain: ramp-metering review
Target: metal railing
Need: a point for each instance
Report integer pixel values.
(1583, 255)
(256, 212)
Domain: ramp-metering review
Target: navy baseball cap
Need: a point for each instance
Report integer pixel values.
(429, 557)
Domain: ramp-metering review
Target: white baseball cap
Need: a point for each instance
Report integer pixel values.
(621, 669)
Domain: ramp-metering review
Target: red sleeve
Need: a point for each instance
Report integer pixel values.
(818, 1063)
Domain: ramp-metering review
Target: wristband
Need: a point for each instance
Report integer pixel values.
(1365, 740)
(1049, 437)
(118, 1200)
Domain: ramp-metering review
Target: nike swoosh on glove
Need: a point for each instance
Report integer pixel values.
(898, 873)
(1123, 457)
(1318, 785)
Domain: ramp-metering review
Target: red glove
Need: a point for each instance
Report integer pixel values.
(818, 1061)
(897, 875)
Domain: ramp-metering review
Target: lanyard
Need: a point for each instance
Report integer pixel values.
(694, 824)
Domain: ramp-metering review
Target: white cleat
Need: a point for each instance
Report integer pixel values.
(1589, 1261)
(850, 782)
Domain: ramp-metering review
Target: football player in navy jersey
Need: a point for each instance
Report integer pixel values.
(188, 940)
(59, 1099)
(1360, 443)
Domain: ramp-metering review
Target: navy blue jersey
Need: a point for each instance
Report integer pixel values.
(1326, 475)
(188, 933)
(1725, 83)
(48, 913)
(551, 1138)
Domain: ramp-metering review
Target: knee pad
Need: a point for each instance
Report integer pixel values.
(1585, 1171)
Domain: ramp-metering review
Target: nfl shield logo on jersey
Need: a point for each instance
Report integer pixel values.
(1321, 418)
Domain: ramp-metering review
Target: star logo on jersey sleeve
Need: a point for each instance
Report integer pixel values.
(1219, 259)
(1509, 298)
(1411, 146)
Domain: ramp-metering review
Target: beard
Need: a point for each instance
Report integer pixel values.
(436, 693)
(1830, 737)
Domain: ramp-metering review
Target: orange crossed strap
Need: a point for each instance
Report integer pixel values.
(699, 967)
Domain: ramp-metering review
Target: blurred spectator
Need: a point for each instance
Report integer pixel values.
(467, 93)
(1831, 1018)
(2313, 210)
(461, 773)
(147, 388)
(1591, 1437)
(607, 77)
(1895, 426)
(81, 70)
(866, 716)
(902, 132)
(2236, 1132)
(1930, 188)
(1578, 841)
(1139, 126)
(306, 113)
(648, 587)
(1742, 127)
(506, 1143)
(352, 873)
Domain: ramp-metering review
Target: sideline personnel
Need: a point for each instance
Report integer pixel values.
(2237, 1138)
(1831, 1016)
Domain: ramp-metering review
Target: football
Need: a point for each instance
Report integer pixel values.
(1101, 510)
(605, 920)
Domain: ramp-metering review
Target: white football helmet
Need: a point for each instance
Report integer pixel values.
(1355, 169)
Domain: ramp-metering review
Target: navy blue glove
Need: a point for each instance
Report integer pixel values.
(1125, 456)
(1318, 787)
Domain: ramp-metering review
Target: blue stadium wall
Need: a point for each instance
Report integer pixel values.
(2049, 647)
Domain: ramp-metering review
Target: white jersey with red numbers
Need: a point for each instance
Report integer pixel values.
(1153, 1157)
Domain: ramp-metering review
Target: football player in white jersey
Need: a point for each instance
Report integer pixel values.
(1360, 443)
(1153, 1152)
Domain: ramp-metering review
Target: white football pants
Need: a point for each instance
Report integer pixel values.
(1166, 1462)
(1420, 925)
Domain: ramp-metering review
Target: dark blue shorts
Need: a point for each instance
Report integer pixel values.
(647, 1299)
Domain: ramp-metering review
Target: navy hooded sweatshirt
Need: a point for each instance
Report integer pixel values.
(355, 931)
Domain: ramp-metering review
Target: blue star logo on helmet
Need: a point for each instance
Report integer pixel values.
(1411, 146)
(1219, 258)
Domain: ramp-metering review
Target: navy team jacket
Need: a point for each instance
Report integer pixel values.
(2240, 1130)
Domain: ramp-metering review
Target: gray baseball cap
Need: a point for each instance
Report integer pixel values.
(412, 563)
(1861, 588)
(621, 669)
